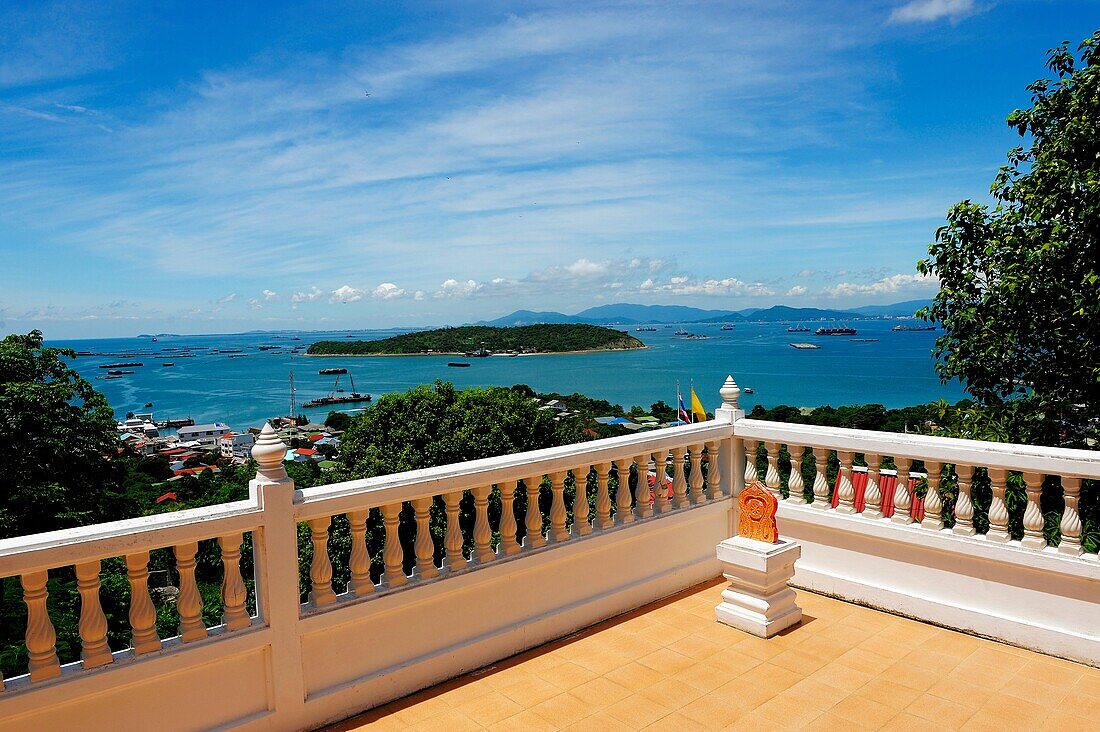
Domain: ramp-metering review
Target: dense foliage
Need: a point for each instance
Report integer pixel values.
(57, 434)
(557, 338)
(1020, 282)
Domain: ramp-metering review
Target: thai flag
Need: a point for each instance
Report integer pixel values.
(683, 410)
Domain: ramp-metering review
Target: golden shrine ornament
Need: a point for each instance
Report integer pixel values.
(758, 508)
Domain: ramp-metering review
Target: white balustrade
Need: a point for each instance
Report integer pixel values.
(933, 504)
(189, 601)
(964, 506)
(643, 508)
(750, 461)
(1033, 514)
(679, 479)
(393, 556)
(142, 616)
(320, 568)
(93, 624)
(998, 513)
(533, 518)
(359, 558)
(603, 496)
(714, 472)
(423, 546)
(1070, 525)
(771, 473)
(821, 479)
(846, 492)
(661, 502)
(483, 535)
(452, 539)
(695, 480)
(795, 484)
(581, 527)
(234, 595)
(40, 636)
(902, 496)
(623, 499)
(872, 493)
(508, 527)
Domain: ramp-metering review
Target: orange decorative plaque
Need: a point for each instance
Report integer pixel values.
(758, 507)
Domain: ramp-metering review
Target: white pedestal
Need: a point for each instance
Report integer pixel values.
(758, 600)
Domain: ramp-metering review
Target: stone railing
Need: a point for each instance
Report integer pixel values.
(444, 570)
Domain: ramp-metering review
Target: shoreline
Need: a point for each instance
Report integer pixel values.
(463, 355)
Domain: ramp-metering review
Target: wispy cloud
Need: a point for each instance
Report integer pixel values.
(892, 285)
(929, 11)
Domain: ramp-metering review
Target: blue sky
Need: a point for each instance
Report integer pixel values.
(212, 167)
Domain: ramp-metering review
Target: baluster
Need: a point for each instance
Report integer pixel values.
(661, 502)
(750, 461)
(964, 507)
(508, 544)
(40, 637)
(845, 490)
(533, 517)
(603, 497)
(795, 483)
(998, 514)
(234, 595)
(1033, 514)
(714, 473)
(320, 569)
(642, 507)
(581, 527)
(872, 494)
(423, 546)
(771, 473)
(933, 504)
(189, 601)
(359, 560)
(92, 626)
(143, 616)
(902, 498)
(1071, 521)
(695, 481)
(821, 478)
(558, 531)
(622, 496)
(392, 554)
(483, 535)
(679, 480)
(452, 539)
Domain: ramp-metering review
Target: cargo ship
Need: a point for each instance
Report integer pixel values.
(836, 331)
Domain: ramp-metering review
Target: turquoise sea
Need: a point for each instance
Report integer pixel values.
(896, 370)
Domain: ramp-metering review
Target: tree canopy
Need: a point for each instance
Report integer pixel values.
(1019, 295)
(548, 338)
(59, 441)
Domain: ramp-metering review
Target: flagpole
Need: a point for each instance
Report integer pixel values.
(693, 401)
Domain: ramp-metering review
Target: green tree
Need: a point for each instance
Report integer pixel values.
(1019, 295)
(60, 466)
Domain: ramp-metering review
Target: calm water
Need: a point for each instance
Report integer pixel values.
(895, 371)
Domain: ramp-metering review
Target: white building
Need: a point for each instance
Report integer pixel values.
(206, 434)
(236, 444)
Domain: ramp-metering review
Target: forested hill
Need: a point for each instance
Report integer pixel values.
(549, 338)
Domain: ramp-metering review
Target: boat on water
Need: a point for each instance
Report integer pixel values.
(121, 365)
(863, 340)
(806, 346)
(108, 377)
(118, 372)
(332, 371)
(646, 329)
(458, 364)
(331, 400)
(681, 332)
(841, 330)
(168, 363)
(747, 390)
(798, 328)
(727, 326)
(479, 353)
(232, 350)
(911, 328)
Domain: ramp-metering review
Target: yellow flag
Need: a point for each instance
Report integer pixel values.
(697, 410)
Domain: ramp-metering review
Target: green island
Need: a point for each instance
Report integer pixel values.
(484, 340)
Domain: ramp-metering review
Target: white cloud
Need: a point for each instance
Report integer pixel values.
(314, 294)
(796, 291)
(929, 11)
(912, 283)
(345, 294)
(254, 303)
(419, 295)
(585, 267)
(388, 291)
(270, 295)
(228, 298)
(452, 288)
(684, 285)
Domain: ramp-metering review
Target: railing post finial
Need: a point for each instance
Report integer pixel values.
(268, 452)
(730, 393)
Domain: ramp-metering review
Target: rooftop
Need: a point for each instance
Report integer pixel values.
(670, 665)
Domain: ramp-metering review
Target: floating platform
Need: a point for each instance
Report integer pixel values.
(806, 346)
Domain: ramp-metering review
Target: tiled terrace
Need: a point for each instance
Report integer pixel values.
(669, 665)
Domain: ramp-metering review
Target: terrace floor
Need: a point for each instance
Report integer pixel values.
(669, 665)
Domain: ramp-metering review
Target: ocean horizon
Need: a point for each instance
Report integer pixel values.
(895, 370)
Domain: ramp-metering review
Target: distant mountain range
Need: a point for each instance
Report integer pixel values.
(630, 314)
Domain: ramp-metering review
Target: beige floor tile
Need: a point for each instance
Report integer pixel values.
(941, 711)
(801, 663)
(815, 694)
(600, 722)
(527, 721)
(635, 677)
(905, 722)
(677, 722)
(786, 712)
(666, 661)
(864, 712)
(889, 694)
(568, 675)
(601, 692)
(489, 709)
(841, 677)
(530, 691)
(563, 709)
(639, 710)
(712, 712)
